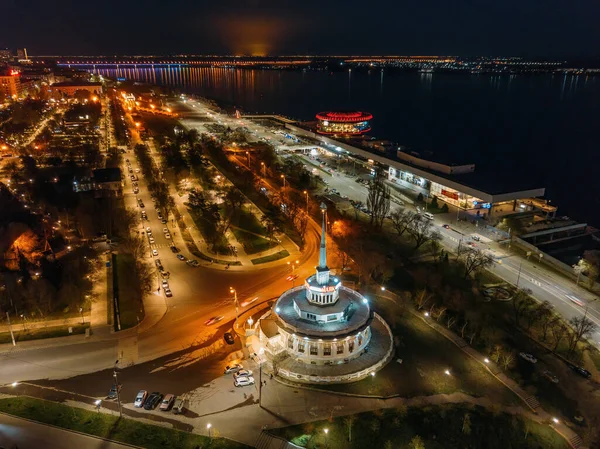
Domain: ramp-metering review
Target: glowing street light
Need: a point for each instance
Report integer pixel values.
(447, 372)
(486, 360)
(283, 177)
(306, 195)
(382, 288)
(208, 427)
(14, 384)
(555, 420)
(233, 291)
(426, 314)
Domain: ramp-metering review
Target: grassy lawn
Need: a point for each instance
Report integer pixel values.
(426, 355)
(108, 426)
(271, 258)
(36, 334)
(440, 427)
(131, 306)
(247, 221)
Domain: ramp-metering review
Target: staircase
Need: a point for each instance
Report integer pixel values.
(268, 441)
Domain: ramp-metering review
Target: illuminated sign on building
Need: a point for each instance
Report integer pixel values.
(14, 73)
(453, 195)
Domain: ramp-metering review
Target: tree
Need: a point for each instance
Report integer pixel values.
(507, 359)
(466, 427)
(416, 443)
(421, 298)
(378, 200)
(401, 220)
(434, 202)
(475, 260)
(558, 331)
(520, 302)
(546, 315)
(420, 231)
(582, 327)
(435, 249)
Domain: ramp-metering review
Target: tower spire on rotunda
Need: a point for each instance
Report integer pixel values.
(323, 249)
(322, 268)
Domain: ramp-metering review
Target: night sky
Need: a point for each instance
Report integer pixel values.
(552, 28)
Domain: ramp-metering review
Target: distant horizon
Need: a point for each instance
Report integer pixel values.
(296, 55)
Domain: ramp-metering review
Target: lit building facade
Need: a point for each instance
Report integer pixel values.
(344, 123)
(323, 331)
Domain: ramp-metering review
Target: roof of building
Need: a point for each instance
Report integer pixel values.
(344, 117)
(76, 84)
(358, 318)
(107, 175)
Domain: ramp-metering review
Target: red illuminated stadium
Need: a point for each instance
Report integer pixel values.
(343, 123)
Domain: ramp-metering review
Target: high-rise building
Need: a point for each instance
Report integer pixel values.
(21, 53)
(5, 54)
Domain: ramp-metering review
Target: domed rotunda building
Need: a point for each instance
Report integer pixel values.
(322, 331)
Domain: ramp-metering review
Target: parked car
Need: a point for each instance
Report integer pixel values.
(233, 368)
(152, 401)
(168, 292)
(165, 231)
(167, 235)
(229, 338)
(178, 406)
(528, 357)
(180, 257)
(112, 394)
(174, 249)
(151, 240)
(551, 376)
(192, 262)
(243, 381)
(579, 370)
(140, 399)
(167, 403)
(155, 253)
(148, 230)
(165, 283)
(242, 373)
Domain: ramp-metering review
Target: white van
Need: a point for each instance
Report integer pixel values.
(428, 215)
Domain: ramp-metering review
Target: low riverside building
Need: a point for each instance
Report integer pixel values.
(322, 331)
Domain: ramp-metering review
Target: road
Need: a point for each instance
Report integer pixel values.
(24, 434)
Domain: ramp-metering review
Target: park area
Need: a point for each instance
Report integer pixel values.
(426, 363)
(432, 427)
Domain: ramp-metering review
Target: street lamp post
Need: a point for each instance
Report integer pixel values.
(264, 169)
(208, 427)
(519, 275)
(306, 195)
(248, 154)
(237, 306)
(326, 430)
(283, 177)
(118, 392)
(81, 311)
(12, 336)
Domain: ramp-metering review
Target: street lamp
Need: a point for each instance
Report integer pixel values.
(283, 177)
(248, 154)
(447, 372)
(306, 195)
(326, 430)
(81, 311)
(208, 427)
(98, 403)
(118, 390)
(250, 322)
(233, 291)
(264, 169)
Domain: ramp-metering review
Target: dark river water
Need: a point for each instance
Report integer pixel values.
(545, 128)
